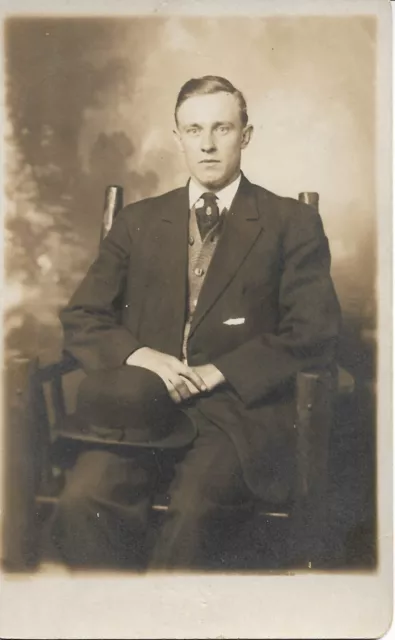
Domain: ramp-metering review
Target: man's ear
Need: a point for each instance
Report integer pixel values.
(177, 138)
(246, 135)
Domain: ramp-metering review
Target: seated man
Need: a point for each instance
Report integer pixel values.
(225, 294)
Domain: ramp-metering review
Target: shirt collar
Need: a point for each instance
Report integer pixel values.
(225, 196)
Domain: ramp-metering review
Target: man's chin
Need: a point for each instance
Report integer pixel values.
(211, 180)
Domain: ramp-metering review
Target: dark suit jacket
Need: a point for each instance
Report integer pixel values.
(270, 268)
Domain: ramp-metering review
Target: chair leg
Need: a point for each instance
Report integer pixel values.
(314, 397)
(20, 534)
(306, 542)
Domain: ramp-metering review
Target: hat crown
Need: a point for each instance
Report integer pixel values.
(132, 401)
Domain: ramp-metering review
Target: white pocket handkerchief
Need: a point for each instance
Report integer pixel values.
(233, 321)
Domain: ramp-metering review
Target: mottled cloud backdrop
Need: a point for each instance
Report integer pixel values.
(90, 102)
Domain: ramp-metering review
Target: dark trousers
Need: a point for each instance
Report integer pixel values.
(103, 515)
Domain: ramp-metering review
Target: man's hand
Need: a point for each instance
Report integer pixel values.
(182, 382)
(211, 376)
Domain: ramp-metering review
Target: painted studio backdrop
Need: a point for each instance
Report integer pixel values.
(90, 103)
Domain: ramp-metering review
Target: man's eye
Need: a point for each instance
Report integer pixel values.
(223, 129)
(193, 131)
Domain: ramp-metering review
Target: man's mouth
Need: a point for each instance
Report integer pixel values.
(209, 161)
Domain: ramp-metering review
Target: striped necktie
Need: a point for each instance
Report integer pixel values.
(207, 215)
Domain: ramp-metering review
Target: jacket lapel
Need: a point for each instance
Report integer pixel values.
(241, 230)
(171, 262)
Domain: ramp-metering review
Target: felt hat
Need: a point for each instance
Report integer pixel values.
(129, 406)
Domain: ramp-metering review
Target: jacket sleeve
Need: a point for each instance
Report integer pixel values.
(92, 333)
(309, 315)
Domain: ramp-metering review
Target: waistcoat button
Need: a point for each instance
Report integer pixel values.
(198, 272)
(191, 240)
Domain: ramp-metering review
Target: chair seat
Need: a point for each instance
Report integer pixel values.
(68, 438)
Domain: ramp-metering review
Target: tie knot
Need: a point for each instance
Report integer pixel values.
(209, 198)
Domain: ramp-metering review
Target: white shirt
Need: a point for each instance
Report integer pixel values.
(225, 196)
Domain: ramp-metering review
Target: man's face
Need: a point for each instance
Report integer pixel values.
(211, 136)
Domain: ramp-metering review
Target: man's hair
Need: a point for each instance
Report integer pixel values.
(208, 85)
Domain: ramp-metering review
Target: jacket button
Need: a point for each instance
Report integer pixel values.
(198, 272)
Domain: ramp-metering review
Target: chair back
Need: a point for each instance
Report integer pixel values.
(310, 197)
(113, 203)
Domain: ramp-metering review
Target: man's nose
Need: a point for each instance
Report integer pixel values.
(207, 142)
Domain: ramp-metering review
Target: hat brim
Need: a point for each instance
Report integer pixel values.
(181, 434)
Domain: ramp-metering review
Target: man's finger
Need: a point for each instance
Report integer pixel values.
(191, 387)
(182, 388)
(173, 392)
(194, 377)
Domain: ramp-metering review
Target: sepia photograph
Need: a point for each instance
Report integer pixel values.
(197, 319)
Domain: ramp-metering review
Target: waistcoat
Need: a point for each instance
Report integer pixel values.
(200, 254)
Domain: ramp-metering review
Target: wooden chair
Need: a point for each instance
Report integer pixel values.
(36, 440)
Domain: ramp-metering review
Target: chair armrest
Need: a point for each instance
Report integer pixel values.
(66, 364)
(44, 396)
(345, 382)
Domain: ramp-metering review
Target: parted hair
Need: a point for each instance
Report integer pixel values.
(207, 85)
